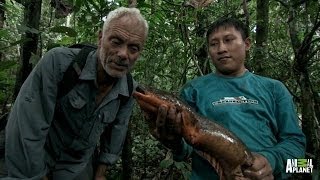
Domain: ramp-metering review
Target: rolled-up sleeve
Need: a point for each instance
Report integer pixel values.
(111, 146)
(29, 121)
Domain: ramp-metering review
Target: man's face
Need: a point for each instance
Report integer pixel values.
(227, 50)
(120, 45)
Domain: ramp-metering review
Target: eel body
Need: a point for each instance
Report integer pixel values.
(223, 150)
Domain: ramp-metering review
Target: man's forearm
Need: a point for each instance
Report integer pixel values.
(101, 170)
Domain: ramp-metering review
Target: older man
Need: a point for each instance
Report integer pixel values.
(51, 137)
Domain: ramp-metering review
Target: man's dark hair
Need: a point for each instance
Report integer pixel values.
(228, 22)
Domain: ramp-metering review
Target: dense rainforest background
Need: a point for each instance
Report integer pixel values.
(285, 36)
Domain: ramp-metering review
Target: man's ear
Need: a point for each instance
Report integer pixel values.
(247, 42)
(100, 37)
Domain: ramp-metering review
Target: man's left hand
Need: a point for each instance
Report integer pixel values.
(260, 169)
(101, 172)
(100, 178)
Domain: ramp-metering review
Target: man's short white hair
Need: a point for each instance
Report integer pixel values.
(123, 11)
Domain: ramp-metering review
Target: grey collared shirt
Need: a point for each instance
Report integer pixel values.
(45, 133)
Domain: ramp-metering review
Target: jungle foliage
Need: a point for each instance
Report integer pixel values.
(285, 36)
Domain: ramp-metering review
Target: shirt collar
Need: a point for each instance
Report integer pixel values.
(121, 86)
(89, 71)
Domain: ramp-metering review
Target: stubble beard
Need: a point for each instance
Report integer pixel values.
(105, 60)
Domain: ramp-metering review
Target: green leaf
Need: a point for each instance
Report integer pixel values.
(166, 163)
(7, 64)
(66, 40)
(186, 175)
(4, 32)
(15, 43)
(179, 165)
(142, 4)
(64, 30)
(34, 58)
(77, 5)
(95, 6)
(53, 45)
(23, 28)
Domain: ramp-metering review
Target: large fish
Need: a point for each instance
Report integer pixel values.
(223, 150)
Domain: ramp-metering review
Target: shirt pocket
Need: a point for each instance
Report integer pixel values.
(104, 120)
(109, 112)
(77, 102)
(76, 112)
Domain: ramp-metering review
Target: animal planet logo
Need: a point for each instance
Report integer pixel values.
(299, 166)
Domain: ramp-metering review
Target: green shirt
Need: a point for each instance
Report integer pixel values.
(259, 110)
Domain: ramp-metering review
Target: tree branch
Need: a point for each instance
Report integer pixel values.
(306, 43)
(315, 40)
(299, 3)
(313, 53)
(19, 1)
(171, 3)
(286, 5)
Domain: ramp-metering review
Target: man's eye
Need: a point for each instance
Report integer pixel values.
(213, 44)
(228, 39)
(134, 49)
(115, 42)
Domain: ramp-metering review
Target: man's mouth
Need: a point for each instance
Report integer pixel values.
(120, 66)
(223, 58)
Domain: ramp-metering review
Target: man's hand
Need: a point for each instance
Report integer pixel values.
(168, 127)
(100, 178)
(101, 172)
(260, 170)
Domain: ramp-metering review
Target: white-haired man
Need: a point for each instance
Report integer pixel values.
(54, 138)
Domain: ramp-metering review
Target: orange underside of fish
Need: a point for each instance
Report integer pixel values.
(223, 150)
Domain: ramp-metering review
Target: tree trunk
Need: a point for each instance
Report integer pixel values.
(247, 23)
(309, 126)
(132, 3)
(32, 13)
(302, 48)
(2, 20)
(201, 54)
(261, 48)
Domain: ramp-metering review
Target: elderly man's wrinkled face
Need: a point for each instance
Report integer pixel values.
(120, 45)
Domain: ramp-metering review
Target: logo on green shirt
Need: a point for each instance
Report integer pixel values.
(235, 100)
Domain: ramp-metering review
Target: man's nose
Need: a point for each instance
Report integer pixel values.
(222, 47)
(123, 52)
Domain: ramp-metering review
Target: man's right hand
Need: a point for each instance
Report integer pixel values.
(168, 127)
(101, 172)
(260, 170)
